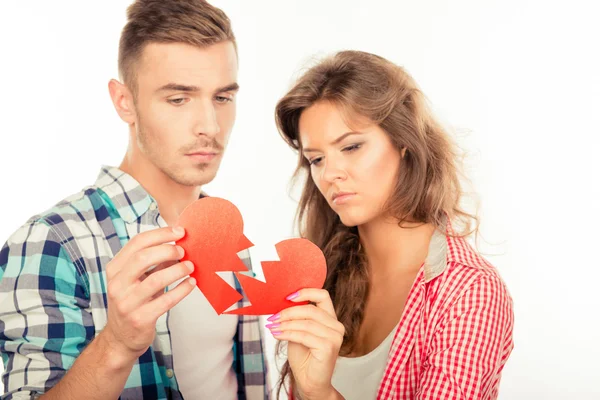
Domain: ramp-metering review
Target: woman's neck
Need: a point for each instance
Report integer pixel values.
(392, 249)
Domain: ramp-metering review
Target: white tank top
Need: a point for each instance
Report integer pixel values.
(202, 348)
(359, 378)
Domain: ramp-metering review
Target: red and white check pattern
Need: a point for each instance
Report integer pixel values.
(455, 334)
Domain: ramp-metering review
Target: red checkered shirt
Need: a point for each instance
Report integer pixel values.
(455, 333)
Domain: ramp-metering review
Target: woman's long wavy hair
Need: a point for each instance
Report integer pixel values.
(428, 188)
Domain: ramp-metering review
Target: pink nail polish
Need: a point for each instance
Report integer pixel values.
(292, 296)
(274, 317)
(271, 326)
(276, 333)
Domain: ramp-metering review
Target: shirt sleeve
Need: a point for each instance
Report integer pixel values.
(471, 345)
(44, 317)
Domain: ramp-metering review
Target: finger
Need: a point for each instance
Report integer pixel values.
(308, 326)
(309, 312)
(320, 297)
(120, 285)
(118, 290)
(168, 300)
(156, 282)
(159, 267)
(141, 261)
(322, 349)
(141, 241)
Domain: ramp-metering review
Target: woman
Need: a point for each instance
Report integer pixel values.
(409, 309)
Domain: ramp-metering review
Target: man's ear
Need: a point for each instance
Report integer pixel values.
(122, 99)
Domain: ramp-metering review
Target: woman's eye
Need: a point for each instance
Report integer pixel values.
(315, 161)
(352, 147)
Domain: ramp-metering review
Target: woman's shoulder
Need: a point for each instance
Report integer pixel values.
(467, 273)
(461, 254)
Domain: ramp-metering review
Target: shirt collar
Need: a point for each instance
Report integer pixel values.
(128, 196)
(443, 249)
(436, 261)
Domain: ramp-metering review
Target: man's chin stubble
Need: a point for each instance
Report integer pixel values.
(197, 181)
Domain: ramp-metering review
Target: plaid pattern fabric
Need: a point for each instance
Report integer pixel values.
(455, 334)
(53, 295)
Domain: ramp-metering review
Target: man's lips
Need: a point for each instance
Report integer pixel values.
(203, 156)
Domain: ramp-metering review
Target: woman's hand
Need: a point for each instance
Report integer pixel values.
(314, 338)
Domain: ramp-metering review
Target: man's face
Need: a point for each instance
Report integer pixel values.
(185, 108)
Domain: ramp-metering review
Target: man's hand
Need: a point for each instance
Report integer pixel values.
(136, 293)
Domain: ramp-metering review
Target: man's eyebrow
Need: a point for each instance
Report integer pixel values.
(178, 87)
(232, 87)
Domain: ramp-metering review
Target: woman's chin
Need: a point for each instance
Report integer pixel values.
(350, 220)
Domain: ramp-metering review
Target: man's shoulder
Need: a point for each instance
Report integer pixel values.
(49, 240)
(70, 214)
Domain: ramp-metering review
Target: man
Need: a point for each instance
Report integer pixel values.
(82, 313)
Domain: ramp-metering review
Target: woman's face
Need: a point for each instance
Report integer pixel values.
(355, 169)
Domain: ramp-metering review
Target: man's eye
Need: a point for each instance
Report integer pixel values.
(222, 99)
(177, 102)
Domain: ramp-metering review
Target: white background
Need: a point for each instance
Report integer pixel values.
(517, 81)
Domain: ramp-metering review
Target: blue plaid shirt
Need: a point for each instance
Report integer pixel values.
(53, 295)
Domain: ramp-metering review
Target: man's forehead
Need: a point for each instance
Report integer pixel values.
(209, 67)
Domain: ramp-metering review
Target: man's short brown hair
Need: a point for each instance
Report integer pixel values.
(194, 22)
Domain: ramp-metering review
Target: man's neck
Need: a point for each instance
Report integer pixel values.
(172, 198)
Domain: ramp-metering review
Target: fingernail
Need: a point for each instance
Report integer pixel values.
(292, 296)
(190, 265)
(181, 251)
(276, 333)
(271, 326)
(179, 231)
(192, 281)
(274, 317)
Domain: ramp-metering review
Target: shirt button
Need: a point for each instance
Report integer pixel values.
(169, 373)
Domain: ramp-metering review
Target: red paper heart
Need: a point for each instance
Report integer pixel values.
(214, 236)
(302, 265)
